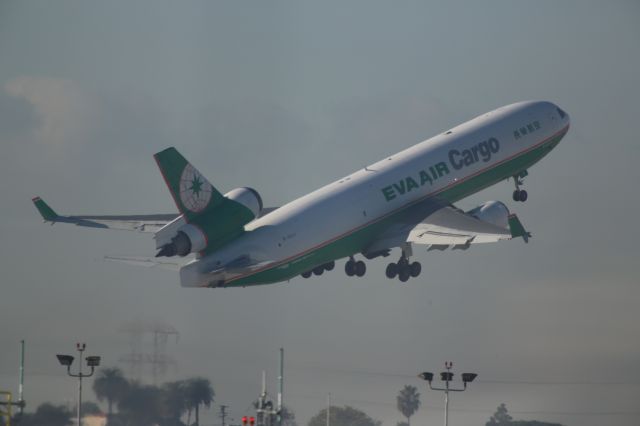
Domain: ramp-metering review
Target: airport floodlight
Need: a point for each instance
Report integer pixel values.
(447, 387)
(426, 376)
(65, 360)
(468, 377)
(93, 361)
(446, 376)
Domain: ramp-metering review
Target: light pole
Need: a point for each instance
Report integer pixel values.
(446, 377)
(92, 361)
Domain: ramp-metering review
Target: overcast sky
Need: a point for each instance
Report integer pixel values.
(286, 97)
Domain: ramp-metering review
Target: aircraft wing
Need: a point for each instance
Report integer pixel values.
(452, 227)
(141, 223)
(441, 226)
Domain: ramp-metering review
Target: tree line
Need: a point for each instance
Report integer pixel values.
(130, 403)
(137, 404)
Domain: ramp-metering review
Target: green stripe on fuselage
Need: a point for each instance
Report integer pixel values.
(357, 240)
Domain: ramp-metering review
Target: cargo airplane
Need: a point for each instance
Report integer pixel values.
(402, 200)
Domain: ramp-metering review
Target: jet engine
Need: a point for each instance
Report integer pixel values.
(493, 212)
(179, 238)
(248, 197)
(188, 239)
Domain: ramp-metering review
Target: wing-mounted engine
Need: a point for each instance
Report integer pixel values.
(212, 228)
(493, 212)
(496, 213)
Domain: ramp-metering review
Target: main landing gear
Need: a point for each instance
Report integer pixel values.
(353, 267)
(318, 270)
(520, 194)
(404, 269)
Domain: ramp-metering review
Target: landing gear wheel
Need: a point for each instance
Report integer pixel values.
(404, 275)
(318, 270)
(329, 266)
(520, 194)
(414, 269)
(392, 270)
(360, 268)
(306, 274)
(350, 268)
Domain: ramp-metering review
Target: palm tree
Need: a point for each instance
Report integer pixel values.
(408, 402)
(198, 391)
(110, 384)
(141, 405)
(174, 399)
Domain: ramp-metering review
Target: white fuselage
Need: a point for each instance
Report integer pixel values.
(427, 169)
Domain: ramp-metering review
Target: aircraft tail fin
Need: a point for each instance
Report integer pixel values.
(192, 192)
(47, 213)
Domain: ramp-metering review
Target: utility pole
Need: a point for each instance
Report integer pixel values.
(268, 413)
(281, 388)
(223, 414)
(8, 402)
(328, 408)
(21, 384)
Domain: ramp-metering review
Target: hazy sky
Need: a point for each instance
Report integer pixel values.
(286, 97)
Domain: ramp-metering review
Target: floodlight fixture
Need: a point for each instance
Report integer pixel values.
(426, 376)
(446, 376)
(93, 361)
(65, 360)
(447, 387)
(468, 377)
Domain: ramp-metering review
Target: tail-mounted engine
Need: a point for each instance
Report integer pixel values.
(248, 197)
(179, 238)
(189, 239)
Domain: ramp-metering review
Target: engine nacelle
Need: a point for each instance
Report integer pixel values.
(179, 238)
(188, 239)
(493, 212)
(248, 197)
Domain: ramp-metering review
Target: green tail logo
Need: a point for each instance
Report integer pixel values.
(192, 192)
(195, 190)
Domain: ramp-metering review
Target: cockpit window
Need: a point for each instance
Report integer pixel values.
(562, 113)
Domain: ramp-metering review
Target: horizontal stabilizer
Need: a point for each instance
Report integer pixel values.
(140, 223)
(147, 262)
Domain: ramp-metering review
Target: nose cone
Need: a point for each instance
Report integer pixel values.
(564, 117)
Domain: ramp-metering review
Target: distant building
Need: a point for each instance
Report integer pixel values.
(94, 420)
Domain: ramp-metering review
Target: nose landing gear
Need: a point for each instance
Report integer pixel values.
(520, 194)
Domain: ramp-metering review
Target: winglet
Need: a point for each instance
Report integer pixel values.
(517, 230)
(48, 214)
